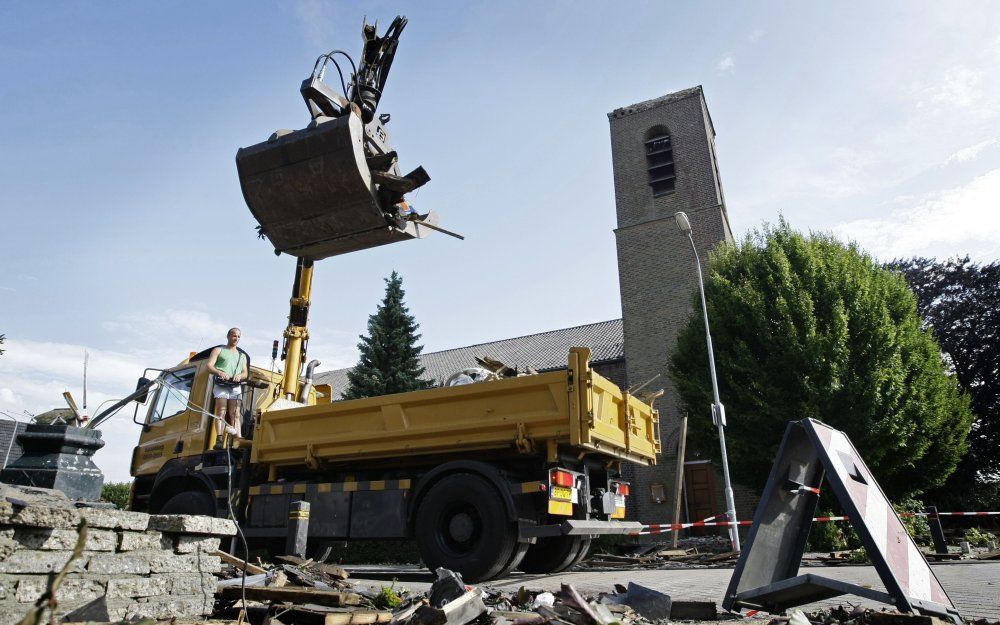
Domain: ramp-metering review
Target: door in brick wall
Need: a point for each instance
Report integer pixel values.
(699, 484)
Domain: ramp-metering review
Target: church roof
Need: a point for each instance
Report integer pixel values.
(543, 351)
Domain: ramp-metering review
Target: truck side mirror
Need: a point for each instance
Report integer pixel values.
(141, 383)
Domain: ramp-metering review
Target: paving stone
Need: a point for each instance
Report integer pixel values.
(57, 539)
(160, 607)
(129, 587)
(192, 584)
(190, 562)
(185, 524)
(121, 564)
(193, 544)
(29, 589)
(38, 516)
(35, 562)
(132, 541)
(116, 519)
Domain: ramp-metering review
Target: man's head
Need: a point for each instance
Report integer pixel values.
(233, 336)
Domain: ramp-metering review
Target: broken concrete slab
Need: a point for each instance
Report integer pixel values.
(652, 604)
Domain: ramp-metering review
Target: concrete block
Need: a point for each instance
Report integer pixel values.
(194, 544)
(120, 564)
(38, 562)
(131, 587)
(133, 541)
(115, 519)
(30, 588)
(185, 524)
(58, 539)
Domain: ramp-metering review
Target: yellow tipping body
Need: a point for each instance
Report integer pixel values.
(530, 414)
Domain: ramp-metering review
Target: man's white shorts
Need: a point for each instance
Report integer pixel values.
(222, 392)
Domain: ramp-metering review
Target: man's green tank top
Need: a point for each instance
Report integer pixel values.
(229, 362)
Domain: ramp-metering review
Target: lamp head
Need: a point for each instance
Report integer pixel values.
(682, 222)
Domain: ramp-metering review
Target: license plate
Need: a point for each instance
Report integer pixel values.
(563, 493)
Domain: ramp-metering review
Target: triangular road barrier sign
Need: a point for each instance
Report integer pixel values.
(767, 573)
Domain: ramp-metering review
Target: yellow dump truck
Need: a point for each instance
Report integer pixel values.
(519, 472)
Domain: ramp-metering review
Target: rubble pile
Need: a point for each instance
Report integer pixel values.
(704, 551)
(301, 592)
(134, 563)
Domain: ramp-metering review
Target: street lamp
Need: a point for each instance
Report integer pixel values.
(718, 410)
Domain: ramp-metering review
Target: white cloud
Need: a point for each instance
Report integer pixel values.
(316, 19)
(970, 153)
(726, 63)
(755, 35)
(962, 220)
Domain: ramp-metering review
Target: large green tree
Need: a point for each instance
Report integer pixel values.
(960, 300)
(389, 351)
(806, 326)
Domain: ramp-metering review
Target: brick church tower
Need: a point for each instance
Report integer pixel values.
(663, 154)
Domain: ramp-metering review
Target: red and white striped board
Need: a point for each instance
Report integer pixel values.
(875, 519)
(766, 575)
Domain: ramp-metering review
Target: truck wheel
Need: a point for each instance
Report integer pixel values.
(462, 525)
(190, 502)
(555, 554)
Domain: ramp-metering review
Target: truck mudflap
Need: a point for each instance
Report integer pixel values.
(580, 527)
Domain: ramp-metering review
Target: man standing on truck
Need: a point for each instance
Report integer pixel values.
(228, 365)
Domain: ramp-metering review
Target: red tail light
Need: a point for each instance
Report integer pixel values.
(623, 489)
(563, 478)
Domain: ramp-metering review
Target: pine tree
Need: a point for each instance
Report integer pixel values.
(389, 352)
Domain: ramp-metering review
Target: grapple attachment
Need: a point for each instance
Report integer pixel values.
(313, 194)
(334, 187)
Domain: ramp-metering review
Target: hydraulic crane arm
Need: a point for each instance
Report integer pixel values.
(297, 333)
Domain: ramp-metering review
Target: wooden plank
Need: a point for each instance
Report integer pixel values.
(293, 594)
(238, 563)
(312, 614)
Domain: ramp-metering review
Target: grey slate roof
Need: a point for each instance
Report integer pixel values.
(542, 352)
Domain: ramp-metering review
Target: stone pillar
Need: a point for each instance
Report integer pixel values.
(59, 457)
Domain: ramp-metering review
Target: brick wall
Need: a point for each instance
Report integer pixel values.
(656, 269)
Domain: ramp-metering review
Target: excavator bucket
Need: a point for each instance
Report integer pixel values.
(312, 191)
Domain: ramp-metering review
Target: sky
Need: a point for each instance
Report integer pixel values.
(124, 231)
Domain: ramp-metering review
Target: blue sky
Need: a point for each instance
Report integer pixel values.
(125, 232)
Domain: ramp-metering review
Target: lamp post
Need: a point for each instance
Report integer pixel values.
(718, 410)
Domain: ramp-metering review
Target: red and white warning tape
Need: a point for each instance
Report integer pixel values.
(663, 528)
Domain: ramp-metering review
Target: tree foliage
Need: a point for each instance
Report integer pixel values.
(960, 300)
(805, 326)
(2, 337)
(389, 352)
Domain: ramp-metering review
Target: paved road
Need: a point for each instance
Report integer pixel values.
(973, 586)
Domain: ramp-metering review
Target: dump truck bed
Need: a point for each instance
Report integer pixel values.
(575, 407)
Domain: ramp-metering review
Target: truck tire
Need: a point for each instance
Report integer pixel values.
(462, 525)
(189, 502)
(555, 554)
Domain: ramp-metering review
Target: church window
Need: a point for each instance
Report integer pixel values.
(660, 162)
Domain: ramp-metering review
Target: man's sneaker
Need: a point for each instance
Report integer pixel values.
(230, 430)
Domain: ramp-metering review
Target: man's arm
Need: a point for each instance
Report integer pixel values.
(242, 375)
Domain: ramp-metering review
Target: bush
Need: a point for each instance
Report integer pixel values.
(116, 493)
(977, 537)
(917, 526)
(808, 326)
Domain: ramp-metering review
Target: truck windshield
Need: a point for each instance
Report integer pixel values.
(174, 394)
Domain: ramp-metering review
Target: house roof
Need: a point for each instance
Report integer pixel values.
(543, 351)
